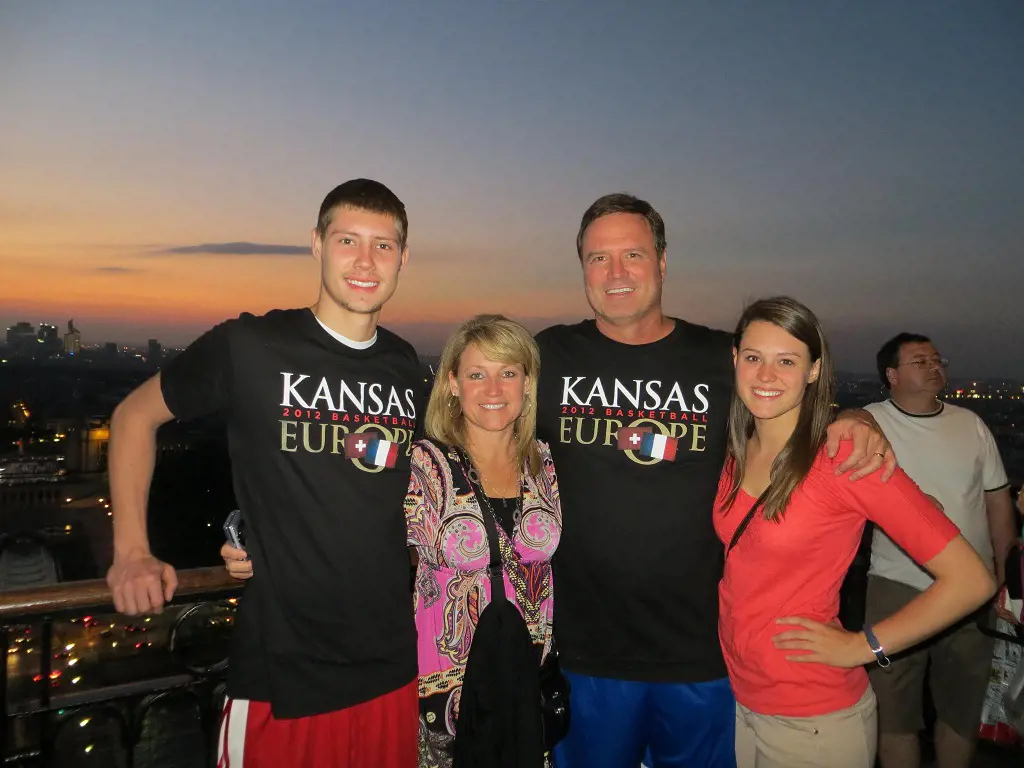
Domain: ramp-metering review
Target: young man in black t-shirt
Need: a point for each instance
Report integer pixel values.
(320, 406)
(634, 405)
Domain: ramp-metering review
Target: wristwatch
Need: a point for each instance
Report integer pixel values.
(876, 647)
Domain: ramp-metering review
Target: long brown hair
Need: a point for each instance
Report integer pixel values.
(799, 453)
(501, 340)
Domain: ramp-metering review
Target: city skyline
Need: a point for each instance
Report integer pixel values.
(163, 165)
(431, 353)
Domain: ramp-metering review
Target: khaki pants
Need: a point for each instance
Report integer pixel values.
(844, 739)
(956, 662)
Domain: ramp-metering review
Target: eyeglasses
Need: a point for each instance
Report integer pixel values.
(922, 363)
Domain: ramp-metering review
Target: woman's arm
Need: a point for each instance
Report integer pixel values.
(962, 580)
(962, 583)
(422, 517)
(549, 479)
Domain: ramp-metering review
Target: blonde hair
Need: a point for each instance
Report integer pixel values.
(501, 340)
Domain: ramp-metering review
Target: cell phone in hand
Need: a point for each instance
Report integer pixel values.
(233, 529)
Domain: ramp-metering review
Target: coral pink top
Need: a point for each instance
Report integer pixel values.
(795, 567)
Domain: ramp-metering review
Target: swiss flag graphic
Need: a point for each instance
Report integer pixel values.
(357, 445)
(630, 439)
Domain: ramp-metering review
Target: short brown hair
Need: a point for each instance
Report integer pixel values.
(620, 202)
(365, 195)
(889, 355)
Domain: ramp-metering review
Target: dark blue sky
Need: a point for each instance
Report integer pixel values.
(865, 157)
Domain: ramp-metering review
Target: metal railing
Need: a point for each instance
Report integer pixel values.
(82, 683)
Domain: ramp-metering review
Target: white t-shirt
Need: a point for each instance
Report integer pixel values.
(346, 340)
(952, 456)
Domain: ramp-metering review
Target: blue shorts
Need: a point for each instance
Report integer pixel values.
(618, 723)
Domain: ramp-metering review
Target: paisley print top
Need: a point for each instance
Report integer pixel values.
(444, 524)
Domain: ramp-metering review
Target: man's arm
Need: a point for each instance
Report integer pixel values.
(871, 449)
(999, 508)
(138, 581)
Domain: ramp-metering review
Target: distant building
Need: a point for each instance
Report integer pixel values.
(47, 333)
(19, 414)
(155, 352)
(19, 332)
(72, 339)
(25, 470)
(110, 351)
(48, 340)
(21, 338)
(85, 443)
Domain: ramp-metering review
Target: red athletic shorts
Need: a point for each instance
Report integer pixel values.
(380, 733)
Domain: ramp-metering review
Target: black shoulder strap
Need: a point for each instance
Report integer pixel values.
(746, 520)
(494, 569)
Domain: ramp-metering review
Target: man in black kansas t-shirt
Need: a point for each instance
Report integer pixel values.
(634, 405)
(321, 406)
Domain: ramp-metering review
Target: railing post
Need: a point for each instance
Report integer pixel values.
(46, 667)
(4, 640)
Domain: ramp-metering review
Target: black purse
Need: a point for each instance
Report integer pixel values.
(554, 700)
(554, 686)
(747, 518)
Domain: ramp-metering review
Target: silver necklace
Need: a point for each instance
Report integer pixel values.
(474, 476)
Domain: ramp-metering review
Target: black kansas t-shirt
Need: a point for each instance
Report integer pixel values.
(326, 621)
(639, 563)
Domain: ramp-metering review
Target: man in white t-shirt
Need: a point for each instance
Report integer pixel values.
(952, 456)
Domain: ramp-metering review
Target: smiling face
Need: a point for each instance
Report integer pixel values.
(491, 393)
(773, 369)
(360, 256)
(622, 269)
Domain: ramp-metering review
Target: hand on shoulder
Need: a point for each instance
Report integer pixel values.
(869, 449)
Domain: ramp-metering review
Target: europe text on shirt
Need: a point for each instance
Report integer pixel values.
(638, 436)
(326, 620)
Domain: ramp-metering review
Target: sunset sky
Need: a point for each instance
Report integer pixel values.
(867, 158)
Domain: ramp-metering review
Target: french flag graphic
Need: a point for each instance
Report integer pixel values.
(658, 447)
(382, 453)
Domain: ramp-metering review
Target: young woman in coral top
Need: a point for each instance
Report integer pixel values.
(791, 527)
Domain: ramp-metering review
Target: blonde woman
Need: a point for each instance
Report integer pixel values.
(481, 431)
